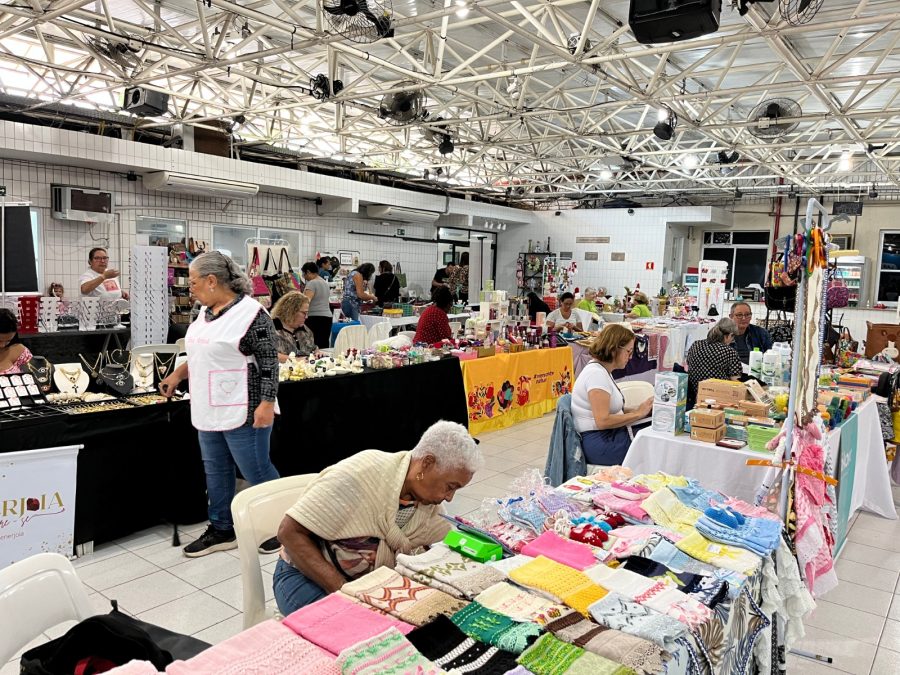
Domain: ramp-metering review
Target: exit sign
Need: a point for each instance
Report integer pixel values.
(2, 190)
(400, 232)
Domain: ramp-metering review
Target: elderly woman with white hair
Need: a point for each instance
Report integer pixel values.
(358, 514)
(713, 358)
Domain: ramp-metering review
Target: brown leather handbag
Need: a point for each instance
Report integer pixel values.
(878, 335)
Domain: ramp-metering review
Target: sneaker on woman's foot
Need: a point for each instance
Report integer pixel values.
(211, 541)
(270, 546)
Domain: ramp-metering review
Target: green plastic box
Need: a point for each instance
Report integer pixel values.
(474, 546)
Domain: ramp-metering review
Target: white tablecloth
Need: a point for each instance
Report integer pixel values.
(369, 320)
(726, 470)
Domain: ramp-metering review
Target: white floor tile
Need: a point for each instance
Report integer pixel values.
(853, 624)
(39, 640)
(866, 575)
(164, 555)
(231, 591)
(501, 462)
(115, 570)
(886, 661)
(222, 630)
(499, 481)
(139, 540)
(189, 614)
(102, 552)
(873, 538)
(890, 638)
(482, 474)
(798, 665)
(894, 612)
(860, 597)
(150, 591)
(850, 656)
(870, 555)
(461, 505)
(208, 570)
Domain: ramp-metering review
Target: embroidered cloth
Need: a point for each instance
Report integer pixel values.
(615, 611)
(449, 571)
(448, 647)
(519, 604)
(388, 653)
(493, 628)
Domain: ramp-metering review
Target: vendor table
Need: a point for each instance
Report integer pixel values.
(138, 467)
(726, 470)
(369, 320)
(641, 365)
(60, 346)
(326, 420)
(508, 388)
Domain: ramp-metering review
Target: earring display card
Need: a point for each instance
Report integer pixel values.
(149, 295)
(20, 390)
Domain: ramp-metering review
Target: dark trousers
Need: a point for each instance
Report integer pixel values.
(321, 329)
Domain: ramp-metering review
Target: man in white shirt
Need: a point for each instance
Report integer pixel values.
(100, 281)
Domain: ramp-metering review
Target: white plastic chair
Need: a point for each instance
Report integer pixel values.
(257, 512)
(411, 334)
(156, 349)
(37, 594)
(351, 337)
(379, 331)
(180, 344)
(455, 327)
(635, 392)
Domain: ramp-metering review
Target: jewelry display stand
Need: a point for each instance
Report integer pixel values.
(149, 295)
(142, 372)
(70, 378)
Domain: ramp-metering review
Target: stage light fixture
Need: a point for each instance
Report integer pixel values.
(667, 120)
(446, 145)
(873, 192)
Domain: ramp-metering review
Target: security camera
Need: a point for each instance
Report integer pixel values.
(630, 212)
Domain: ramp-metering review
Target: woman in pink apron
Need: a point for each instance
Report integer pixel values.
(232, 367)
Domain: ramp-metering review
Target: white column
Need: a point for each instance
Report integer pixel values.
(475, 276)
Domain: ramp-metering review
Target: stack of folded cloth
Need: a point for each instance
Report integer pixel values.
(519, 604)
(615, 611)
(401, 597)
(448, 647)
(552, 502)
(759, 535)
(388, 653)
(493, 628)
(629, 508)
(559, 581)
(572, 553)
(551, 656)
(706, 589)
(443, 568)
(336, 622)
(666, 511)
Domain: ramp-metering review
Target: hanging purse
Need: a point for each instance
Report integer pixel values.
(260, 290)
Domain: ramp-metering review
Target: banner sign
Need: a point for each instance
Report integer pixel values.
(846, 471)
(505, 389)
(37, 503)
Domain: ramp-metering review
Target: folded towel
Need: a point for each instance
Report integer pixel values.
(722, 555)
(551, 656)
(388, 653)
(572, 553)
(666, 511)
(402, 597)
(448, 647)
(335, 623)
(493, 628)
(454, 573)
(615, 611)
(570, 586)
(520, 605)
(268, 647)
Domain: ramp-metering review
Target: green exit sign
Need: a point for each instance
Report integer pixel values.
(2, 190)
(400, 232)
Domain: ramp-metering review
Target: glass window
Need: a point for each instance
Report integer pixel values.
(162, 231)
(38, 243)
(232, 241)
(760, 237)
(292, 237)
(889, 267)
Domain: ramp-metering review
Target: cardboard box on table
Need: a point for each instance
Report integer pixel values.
(707, 435)
(723, 391)
(668, 418)
(706, 419)
(670, 388)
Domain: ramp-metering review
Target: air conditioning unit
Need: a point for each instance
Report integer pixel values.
(145, 102)
(170, 181)
(659, 21)
(382, 212)
(82, 204)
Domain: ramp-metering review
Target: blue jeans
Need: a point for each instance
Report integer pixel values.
(246, 447)
(350, 309)
(292, 589)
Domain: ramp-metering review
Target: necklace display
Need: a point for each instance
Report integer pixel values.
(42, 370)
(70, 378)
(143, 371)
(95, 369)
(164, 366)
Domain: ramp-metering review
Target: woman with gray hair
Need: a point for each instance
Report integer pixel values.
(232, 365)
(713, 358)
(358, 514)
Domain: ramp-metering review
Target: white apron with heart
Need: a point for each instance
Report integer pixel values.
(217, 370)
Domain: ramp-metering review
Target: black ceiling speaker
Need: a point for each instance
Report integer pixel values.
(658, 21)
(145, 102)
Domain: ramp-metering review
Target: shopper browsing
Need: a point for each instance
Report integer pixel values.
(345, 524)
(748, 336)
(713, 358)
(565, 318)
(56, 290)
(641, 308)
(355, 291)
(434, 323)
(459, 279)
(319, 319)
(232, 366)
(598, 407)
(442, 275)
(387, 285)
(101, 280)
(289, 316)
(13, 354)
(324, 268)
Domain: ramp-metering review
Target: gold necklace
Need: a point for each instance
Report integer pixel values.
(144, 371)
(162, 367)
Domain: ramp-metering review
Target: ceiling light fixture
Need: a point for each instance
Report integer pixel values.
(844, 163)
(690, 162)
(873, 192)
(446, 145)
(463, 8)
(667, 120)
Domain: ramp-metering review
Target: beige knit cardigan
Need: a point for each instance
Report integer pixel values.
(360, 497)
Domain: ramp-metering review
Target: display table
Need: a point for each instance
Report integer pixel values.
(60, 346)
(726, 470)
(505, 389)
(138, 467)
(325, 420)
(369, 320)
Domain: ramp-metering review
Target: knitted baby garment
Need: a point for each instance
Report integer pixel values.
(666, 511)
(722, 555)
(571, 553)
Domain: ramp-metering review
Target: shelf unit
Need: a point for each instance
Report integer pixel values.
(851, 272)
(530, 272)
(179, 294)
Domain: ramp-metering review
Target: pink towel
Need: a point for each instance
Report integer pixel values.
(335, 623)
(267, 647)
(572, 553)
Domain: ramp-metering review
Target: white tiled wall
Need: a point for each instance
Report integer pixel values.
(66, 243)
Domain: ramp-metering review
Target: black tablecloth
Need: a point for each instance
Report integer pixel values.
(141, 467)
(326, 420)
(138, 467)
(65, 346)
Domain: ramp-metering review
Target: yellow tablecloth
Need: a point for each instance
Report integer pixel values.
(508, 388)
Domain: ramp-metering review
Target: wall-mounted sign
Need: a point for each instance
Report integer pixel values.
(591, 240)
(617, 256)
(846, 209)
(565, 255)
(591, 255)
(401, 232)
(649, 265)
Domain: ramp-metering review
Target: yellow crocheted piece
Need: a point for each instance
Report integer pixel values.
(721, 555)
(574, 588)
(583, 598)
(667, 511)
(658, 480)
